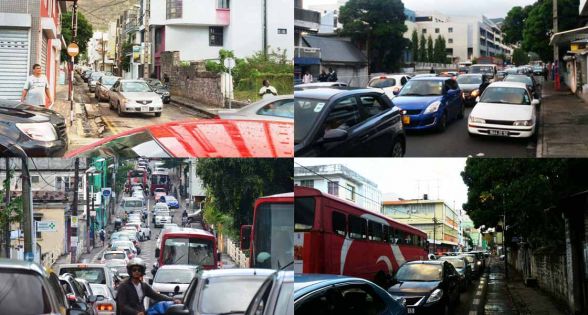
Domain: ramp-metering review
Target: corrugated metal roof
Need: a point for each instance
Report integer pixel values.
(336, 50)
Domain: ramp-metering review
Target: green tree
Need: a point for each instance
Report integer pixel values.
(520, 57)
(13, 212)
(125, 62)
(513, 25)
(439, 50)
(524, 189)
(379, 23)
(233, 185)
(85, 32)
(430, 49)
(423, 49)
(415, 45)
(121, 176)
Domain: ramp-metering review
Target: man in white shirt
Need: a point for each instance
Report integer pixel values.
(36, 88)
(267, 91)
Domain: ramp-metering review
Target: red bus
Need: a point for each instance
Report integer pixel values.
(160, 179)
(335, 236)
(186, 246)
(270, 239)
(136, 177)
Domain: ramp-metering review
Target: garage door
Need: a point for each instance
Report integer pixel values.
(14, 52)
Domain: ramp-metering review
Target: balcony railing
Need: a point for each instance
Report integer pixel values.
(307, 15)
(307, 52)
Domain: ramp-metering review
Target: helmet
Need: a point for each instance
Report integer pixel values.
(136, 262)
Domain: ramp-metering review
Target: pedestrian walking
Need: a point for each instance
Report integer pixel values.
(102, 236)
(165, 79)
(323, 77)
(307, 78)
(36, 88)
(267, 91)
(332, 75)
(545, 72)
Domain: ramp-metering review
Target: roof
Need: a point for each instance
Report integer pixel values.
(21, 264)
(508, 84)
(182, 267)
(568, 36)
(423, 78)
(237, 272)
(327, 93)
(304, 283)
(336, 50)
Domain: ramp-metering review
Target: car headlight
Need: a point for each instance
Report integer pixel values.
(433, 107)
(477, 120)
(435, 296)
(523, 123)
(38, 131)
(479, 262)
(475, 93)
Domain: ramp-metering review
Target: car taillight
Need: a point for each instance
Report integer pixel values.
(106, 307)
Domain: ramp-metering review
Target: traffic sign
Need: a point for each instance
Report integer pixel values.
(229, 63)
(73, 49)
(46, 226)
(106, 192)
(74, 221)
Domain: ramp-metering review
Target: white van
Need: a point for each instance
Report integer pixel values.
(487, 69)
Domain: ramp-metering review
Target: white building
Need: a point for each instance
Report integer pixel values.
(200, 29)
(98, 51)
(338, 180)
(196, 189)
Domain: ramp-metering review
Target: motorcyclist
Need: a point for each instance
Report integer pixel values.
(132, 291)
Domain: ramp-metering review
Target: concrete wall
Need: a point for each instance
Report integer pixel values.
(193, 81)
(192, 41)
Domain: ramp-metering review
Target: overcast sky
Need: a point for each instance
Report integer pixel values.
(408, 178)
(489, 8)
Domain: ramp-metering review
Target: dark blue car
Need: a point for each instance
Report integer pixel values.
(430, 103)
(333, 294)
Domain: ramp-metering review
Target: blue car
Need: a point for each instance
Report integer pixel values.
(333, 294)
(430, 103)
(171, 202)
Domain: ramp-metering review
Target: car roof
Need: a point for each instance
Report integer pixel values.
(424, 262)
(508, 84)
(176, 267)
(327, 93)
(83, 265)
(303, 283)
(236, 272)
(22, 265)
(430, 78)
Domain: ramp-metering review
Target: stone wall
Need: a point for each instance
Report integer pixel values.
(191, 81)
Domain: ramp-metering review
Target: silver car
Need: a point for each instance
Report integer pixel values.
(93, 79)
(173, 279)
(134, 96)
(103, 86)
(279, 108)
(105, 305)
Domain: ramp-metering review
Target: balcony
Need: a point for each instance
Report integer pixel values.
(307, 52)
(307, 19)
(131, 25)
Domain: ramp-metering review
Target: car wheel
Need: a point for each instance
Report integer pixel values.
(442, 123)
(397, 149)
(158, 114)
(461, 113)
(120, 113)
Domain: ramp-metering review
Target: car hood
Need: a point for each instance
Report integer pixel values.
(169, 287)
(141, 95)
(208, 138)
(28, 114)
(415, 102)
(412, 287)
(469, 87)
(502, 111)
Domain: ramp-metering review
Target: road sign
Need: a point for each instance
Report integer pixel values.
(106, 192)
(46, 226)
(74, 221)
(73, 49)
(229, 63)
(74, 241)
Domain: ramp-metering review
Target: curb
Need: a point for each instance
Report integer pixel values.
(539, 150)
(479, 300)
(199, 109)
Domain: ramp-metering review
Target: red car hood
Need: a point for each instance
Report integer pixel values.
(215, 138)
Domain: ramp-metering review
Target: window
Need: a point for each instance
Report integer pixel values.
(424, 31)
(281, 108)
(374, 231)
(436, 30)
(37, 219)
(303, 213)
(450, 40)
(173, 9)
(307, 183)
(357, 228)
(372, 106)
(215, 36)
(339, 223)
(450, 30)
(333, 188)
(223, 4)
(344, 115)
(350, 192)
(282, 31)
(35, 179)
(361, 299)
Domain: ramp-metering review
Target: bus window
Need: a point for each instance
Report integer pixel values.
(386, 236)
(303, 213)
(339, 223)
(374, 231)
(184, 251)
(273, 239)
(357, 227)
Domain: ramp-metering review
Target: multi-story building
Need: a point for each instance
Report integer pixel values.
(196, 190)
(98, 52)
(469, 230)
(30, 33)
(339, 180)
(434, 217)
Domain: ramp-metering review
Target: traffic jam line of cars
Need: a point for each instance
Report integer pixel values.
(334, 121)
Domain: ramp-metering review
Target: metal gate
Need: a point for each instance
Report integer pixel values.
(14, 52)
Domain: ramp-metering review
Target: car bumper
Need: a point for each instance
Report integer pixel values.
(34, 148)
(140, 108)
(501, 130)
(422, 121)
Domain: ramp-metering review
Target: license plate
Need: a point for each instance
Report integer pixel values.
(410, 310)
(144, 108)
(498, 132)
(406, 120)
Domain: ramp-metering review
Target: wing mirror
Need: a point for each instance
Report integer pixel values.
(334, 135)
(535, 102)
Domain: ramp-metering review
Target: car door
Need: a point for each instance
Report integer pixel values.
(359, 298)
(453, 98)
(452, 279)
(323, 301)
(113, 93)
(378, 124)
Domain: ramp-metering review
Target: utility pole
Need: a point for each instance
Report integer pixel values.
(435, 235)
(88, 212)
(103, 52)
(555, 30)
(265, 28)
(74, 213)
(29, 236)
(147, 40)
(7, 201)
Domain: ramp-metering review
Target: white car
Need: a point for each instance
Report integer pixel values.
(111, 254)
(318, 85)
(279, 108)
(162, 217)
(504, 109)
(390, 83)
(134, 96)
(168, 277)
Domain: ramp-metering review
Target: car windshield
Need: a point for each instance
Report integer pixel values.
(188, 251)
(482, 69)
(109, 80)
(159, 190)
(96, 75)
(519, 78)
(227, 294)
(457, 263)
(92, 275)
(420, 272)
(135, 87)
(163, 213)
(422, 88)
(281, 108)
(506, 95)
(306, 114)
(170, 199)
(100, 290)
(469, 79)
(23, 293)
(382, 82)
(109, 256)
(133, 203)
(175, 276)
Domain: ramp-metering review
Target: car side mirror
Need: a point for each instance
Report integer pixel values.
(157, 253)
(535, 102)
(92, 299)
(177, 309)
(334, 135)
(477, 99)
(150, 281)
(395, 92)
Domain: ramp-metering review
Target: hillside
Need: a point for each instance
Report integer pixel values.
(100, 12)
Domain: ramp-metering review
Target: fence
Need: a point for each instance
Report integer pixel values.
(236, 254)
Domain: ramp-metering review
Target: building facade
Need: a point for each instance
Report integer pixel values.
(196, 190)
(434, 217)
(339, 180)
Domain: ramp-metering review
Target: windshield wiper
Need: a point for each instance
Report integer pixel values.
(287, 265)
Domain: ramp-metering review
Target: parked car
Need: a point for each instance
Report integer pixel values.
(472, 86)
(463, 268)
(430, 103)
(223, 291)
(107, 305)
(538, 70)
(86, 74)
(361, 122)
(334, 294)
(94, 273)
(39, 131)
(197, 138)
(430, 287)
(279, 108)
(390, 83)
(505, 109)
(103, 86)
(134, 96)
(110, 255)
(28, 299)
(319, 85)
(532, 85)
(160, 88)
(473, 261)
(93, 79)
(173, 279)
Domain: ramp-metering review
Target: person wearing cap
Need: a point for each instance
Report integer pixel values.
(132, 291)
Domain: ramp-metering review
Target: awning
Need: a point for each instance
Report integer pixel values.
(569, 36)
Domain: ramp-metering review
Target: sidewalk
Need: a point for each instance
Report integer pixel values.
(563, 120)
(84, 258)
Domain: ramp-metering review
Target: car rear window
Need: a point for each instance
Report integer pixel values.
(23, 293)
(382, 82)
(115, 256)
(228, 294)
(92, 275)
(133, 203)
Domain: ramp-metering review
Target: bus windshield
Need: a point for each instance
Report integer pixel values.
(188, 251)
(274, 235)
